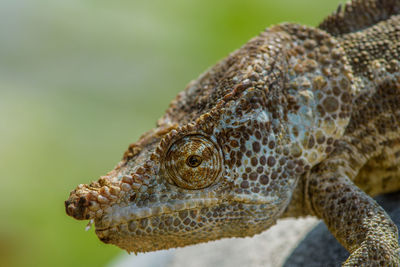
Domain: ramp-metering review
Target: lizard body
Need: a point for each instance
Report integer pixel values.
(299, 121)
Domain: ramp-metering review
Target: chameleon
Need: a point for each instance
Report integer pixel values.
(299, 121)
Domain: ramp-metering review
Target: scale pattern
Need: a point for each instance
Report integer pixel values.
(299, 121)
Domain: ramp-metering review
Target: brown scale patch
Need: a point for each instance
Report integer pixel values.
(264, 141)
(253, 176)
(311, 142)
(257, 134)
(271, 161)
(244, 184)
(330, 104)
(263, 160)
(256, 147)
(271, 145)
(260, 169)
(255, 189)
(234, 143)
(290, 164)
(264, 180)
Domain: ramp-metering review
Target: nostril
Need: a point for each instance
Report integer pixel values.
(77, 208)
(82, 201)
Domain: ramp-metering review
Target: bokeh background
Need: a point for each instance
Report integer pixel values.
(80, 80)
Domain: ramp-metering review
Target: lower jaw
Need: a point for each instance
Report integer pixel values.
(187, 227)
(145, 240)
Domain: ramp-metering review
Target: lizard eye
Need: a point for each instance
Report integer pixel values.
(193, 162)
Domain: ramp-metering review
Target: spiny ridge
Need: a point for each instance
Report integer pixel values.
(358, 15)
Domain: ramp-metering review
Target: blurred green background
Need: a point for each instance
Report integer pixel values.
(80, 80)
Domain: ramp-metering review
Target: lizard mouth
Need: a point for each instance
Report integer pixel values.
(117, 215)
(186, 226)
(122, 215)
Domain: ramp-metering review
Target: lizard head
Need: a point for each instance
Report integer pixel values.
(226, 156)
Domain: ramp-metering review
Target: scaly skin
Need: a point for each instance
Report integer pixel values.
(299, 121)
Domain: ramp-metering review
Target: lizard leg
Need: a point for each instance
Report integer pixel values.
(353, 217)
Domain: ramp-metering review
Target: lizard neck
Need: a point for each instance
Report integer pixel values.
(298, 204)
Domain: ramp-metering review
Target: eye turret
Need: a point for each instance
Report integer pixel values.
(193, 162)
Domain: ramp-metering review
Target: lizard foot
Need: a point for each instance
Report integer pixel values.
(374, 253)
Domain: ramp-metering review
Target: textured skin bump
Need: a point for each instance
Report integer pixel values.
(299, 121)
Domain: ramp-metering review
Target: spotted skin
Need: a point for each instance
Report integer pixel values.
(299, 121)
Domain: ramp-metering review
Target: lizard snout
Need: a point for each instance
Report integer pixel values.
(77, 207)
(89, 201)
